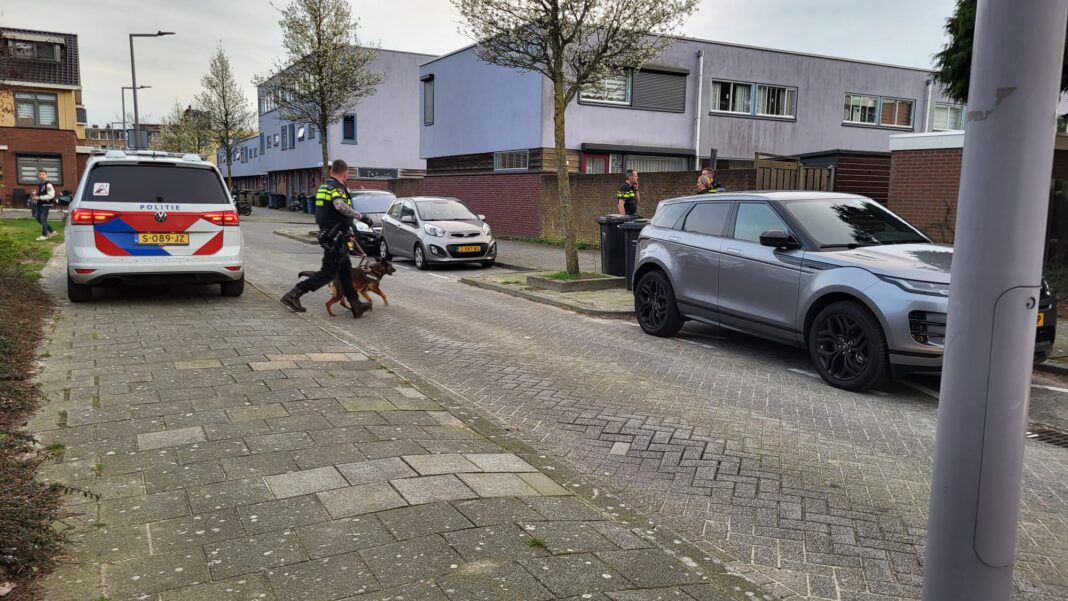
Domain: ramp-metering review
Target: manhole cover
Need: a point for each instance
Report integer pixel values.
(1048, 435)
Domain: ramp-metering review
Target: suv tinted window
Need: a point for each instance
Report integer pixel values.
(708, 218)
(669, 215)
(155, 183)
(755, 218)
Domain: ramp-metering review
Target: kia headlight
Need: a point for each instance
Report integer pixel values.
(433, 230)
(918, 286)
(485, 229)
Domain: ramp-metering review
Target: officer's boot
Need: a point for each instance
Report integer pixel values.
(292, 300)
(358, 307)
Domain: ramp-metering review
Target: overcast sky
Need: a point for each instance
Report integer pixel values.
(904, 32)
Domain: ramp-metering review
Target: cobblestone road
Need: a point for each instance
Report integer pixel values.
(815, 492)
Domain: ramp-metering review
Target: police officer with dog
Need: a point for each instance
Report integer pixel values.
(334, 215)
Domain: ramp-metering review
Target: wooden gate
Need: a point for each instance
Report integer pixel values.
(786, 173)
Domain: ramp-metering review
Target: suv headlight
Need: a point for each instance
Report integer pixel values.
(433, 230)
(918, 286)
(362, 227)
(485, 229)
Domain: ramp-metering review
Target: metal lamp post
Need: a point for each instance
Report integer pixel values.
(133, 76)
(124, 88)
(1017, 58)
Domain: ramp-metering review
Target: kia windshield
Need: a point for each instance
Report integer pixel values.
(851, 222)
(444, 210)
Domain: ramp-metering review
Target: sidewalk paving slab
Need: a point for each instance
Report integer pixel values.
(239, 463)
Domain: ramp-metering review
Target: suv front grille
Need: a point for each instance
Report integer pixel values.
(928, 328)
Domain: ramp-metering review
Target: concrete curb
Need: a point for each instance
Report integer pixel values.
(1053, 368)
(294, 237)
(561, 304)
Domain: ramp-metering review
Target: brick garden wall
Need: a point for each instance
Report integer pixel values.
(924, 185)
(44, 141)
(511, 203)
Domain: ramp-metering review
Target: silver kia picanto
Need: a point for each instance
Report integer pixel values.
(863, 290)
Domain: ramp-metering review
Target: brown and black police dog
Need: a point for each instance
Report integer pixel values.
(363, 280)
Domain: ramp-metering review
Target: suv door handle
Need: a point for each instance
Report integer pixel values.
(735, 251)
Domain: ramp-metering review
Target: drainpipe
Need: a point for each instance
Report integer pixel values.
(697, 110)
(927, 109)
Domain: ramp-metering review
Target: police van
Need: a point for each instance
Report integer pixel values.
(148, 217)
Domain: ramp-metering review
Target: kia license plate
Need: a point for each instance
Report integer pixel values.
(469, 249)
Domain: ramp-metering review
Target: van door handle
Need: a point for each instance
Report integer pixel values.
(673, 238)
(735, 251)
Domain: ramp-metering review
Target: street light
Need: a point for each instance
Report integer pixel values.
(133, 75)
(124, 88)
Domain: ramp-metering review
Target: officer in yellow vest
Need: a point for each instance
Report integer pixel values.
(334, 215)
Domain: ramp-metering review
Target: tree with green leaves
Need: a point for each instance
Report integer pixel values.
(325, 72)
(223, 105)
(576, 44)
(953, 65)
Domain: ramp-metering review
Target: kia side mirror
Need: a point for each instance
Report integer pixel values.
(778, 239)
(407, 219)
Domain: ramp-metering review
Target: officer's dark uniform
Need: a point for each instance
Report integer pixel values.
(334, 230)
(629, 195)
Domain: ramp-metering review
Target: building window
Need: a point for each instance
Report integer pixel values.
(428, 100)
(45, 51)
(311, 132)
(775, 101)
(375, 173)
(653, 164)
(292, 136)
(276, 140)
(263, 145)
(1062, 125)
(948, 116)
(614, 89)
(285, 138)
(300, 134)
(738, 98)
(348, 129)
(731, 97)
(864, 109)
(36, 110)
(28, 165)
(511, 160)
(80, 115)
(896, 112)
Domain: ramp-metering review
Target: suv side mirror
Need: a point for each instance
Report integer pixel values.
(407, 219)
(65, 198)
(778, 239)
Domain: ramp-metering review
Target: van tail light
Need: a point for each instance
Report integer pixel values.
(91, 216)
(221, 218)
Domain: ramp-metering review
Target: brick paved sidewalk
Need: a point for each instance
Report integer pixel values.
(241, 453)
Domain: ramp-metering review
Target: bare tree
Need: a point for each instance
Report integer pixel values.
(225, 108)
(185, 130)
(576, 44)
(325, 72)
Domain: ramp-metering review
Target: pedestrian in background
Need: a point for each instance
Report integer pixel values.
(707, 184)
(45, 198)
(627, 196)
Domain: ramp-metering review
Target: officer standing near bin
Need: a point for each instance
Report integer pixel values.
(334, 215)
(627, 196)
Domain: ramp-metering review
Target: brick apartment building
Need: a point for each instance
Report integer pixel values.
(41, 113)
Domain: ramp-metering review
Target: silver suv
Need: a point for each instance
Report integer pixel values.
(863, 290)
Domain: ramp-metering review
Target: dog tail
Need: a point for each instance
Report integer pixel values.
(305, 274)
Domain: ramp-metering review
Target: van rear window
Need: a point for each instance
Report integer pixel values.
(155, 183)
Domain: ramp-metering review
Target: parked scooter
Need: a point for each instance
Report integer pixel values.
(299, 204)
(243, 206)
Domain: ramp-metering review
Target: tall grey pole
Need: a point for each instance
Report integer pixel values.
(124, 135)
(1001, 222)
(133, 75)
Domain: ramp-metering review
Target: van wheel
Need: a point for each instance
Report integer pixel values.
(233, 288)
(848, 347)
(655, 306)
(78, 293)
